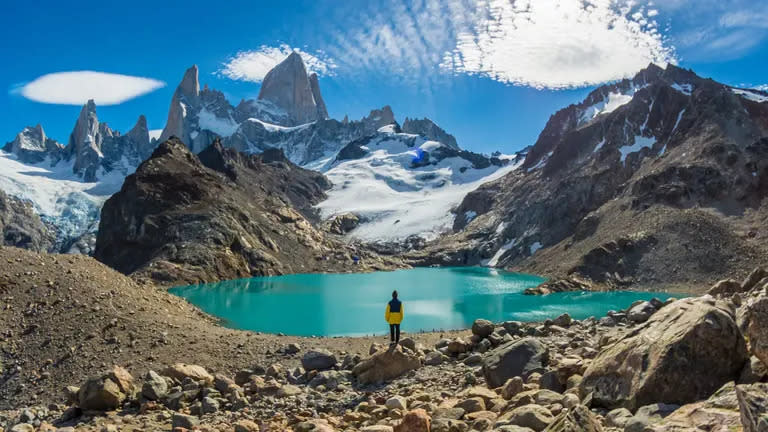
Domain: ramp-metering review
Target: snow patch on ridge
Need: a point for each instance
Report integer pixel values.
(751, 95)
(223, 127)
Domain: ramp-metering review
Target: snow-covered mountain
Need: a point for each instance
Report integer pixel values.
(398, 182)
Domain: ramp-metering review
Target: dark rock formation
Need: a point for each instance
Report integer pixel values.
(428, 129)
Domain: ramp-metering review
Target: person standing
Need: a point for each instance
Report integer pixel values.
(394, 316)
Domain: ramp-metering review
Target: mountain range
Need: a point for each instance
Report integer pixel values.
(656, 179)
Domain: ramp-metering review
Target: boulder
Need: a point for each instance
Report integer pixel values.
(563, 320)
(180, 371)
(512, 387)
(640, 313)
(756, 276)
(184, 421)
(473, 404)
(682, 354)
(531, 416)
(385, 365)
(718, 413)
(100, 394)
(414, 421)
(754, 371)
(246, 426)
(396, 402)
(123, 379)
(154, 387)
(648, 415)
(458, 346)
(725, 287)
(753, 406)
(618, 418)
(482, 328)
(576, 419)
(757, 329)
(518, 358)
(318, 359)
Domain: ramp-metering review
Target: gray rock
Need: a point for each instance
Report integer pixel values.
(482, 328)
(753, 406)
(618, 418)
(649, 415)
(184, 421)
(513, 359)
(288, 87)
(318, 359)
(641, 312)
(209, 405)
(563, 320)
(155, 387)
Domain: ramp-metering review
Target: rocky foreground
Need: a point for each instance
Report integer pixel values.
(678, 365)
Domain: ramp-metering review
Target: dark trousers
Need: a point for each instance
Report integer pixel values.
(394, 333)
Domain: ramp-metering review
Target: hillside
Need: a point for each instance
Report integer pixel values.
(656, 181)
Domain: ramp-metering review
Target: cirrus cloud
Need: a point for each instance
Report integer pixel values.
(253, 65)
(77, 87)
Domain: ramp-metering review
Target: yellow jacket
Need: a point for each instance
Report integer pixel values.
(394, 313)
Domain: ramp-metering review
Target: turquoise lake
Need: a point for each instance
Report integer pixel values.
(353, 304)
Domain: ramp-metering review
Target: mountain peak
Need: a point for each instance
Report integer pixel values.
(290, 88)
(190, 84)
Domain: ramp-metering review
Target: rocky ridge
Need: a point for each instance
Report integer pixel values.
(183, 218)
(630, 187)
(559, 375)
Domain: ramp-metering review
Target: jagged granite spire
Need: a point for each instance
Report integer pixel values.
(322, 111)
(186, 95)
(85, 142)
(139, 138)
(31, 145)
(289, 88)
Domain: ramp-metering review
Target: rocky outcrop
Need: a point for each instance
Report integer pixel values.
(682, 354)
(753, 406)
(85, 142)
(181, 218)
(21, 227)
(314, 84)
(428, 129)
(288, 87)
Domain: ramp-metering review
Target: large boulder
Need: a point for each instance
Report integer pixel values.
(385, 365)
(318, 359)
(576, 419)
(100, 394)
(180, 371)
(512, 359)
(757, 329)
(753, 406)
(154, 387)
(682, 354)
(531, 416)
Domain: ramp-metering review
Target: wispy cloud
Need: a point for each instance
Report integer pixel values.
(539, 43)
(559, 43)
(253, 65)
(77, 87)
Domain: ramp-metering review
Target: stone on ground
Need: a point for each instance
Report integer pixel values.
(482, 328)
(415, 421)
(576, 419)
(531, 416)
(682, 354)
(180, 371)
(100, 394)
(753, 406)
(318, 359)
(519, 358)
(385, 365)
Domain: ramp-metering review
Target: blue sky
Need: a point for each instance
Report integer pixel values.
(489, 71)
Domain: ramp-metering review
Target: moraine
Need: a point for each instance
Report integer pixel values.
(353, 304)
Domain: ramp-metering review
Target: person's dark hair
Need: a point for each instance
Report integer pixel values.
(394, 294)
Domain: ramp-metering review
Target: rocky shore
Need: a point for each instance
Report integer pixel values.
(677, 365)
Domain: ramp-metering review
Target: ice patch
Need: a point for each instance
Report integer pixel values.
(534, 247)
(390, 128)
(469, 216)
(277, 128)
(685, 89)
(640, 143)
(751, 95)
(599, 146)
(223, 127)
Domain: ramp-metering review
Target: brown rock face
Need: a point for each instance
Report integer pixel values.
(182, 218)
(757, 330)
(753, 406)
(385, 365)
(682, 354)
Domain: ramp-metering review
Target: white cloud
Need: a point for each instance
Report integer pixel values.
(539, 43)
(77, 87)
(559, 43)
(254, 65)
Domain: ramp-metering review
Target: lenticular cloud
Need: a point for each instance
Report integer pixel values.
(253, 65)
(558, 43)
(77, 87)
